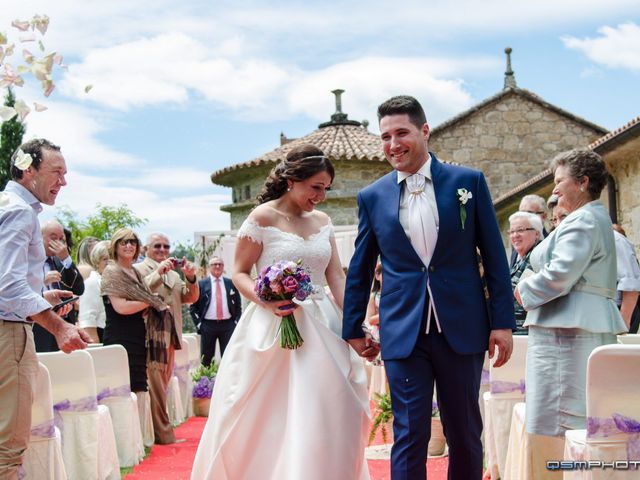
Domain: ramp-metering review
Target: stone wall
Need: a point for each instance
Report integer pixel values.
(624, 166)
(510, 140)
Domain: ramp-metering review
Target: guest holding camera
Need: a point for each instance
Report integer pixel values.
(158, 271)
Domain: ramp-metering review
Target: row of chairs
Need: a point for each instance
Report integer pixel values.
(613, 413)
(86, 422)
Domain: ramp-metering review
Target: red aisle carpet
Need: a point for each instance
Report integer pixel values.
(173, 462)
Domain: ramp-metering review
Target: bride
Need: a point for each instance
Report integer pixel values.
(288, 414)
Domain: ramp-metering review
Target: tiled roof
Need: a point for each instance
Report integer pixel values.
(338, 142)
(598, 145)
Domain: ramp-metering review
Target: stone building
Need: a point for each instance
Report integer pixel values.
(355, 153)
(511, 135)
(620, 150)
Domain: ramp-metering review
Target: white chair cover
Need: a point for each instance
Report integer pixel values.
(43, 458)
(613, 413)
(484, 387)
(506, 388)
(174, 402)
(114, 391)
(629, 339)
(194, 349)
(143, 400)
(80, 419)
(181, 369)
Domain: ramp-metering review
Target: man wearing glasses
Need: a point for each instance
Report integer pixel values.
(158, 271)
(59, 273)
(217, 311)
(38, 173)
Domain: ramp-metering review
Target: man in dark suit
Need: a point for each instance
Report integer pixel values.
(425, 219)
(216, 311)
(60, 273)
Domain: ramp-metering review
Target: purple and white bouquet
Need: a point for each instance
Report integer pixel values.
(285, 280)
(204, 378)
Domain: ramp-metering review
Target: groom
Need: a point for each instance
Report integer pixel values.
(425, 220)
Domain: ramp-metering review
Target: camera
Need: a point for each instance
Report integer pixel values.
(178, 263)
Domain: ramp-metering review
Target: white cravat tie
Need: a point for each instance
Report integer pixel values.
(422, 223)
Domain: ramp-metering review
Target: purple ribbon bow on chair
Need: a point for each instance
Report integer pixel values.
(45, 429)
(502, 386)
(85, 404)
(121, 391)
(615, 425)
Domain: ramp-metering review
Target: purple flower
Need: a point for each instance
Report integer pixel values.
(203, 388)
(290, 284)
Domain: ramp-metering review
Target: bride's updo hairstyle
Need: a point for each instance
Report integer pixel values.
(302, 162)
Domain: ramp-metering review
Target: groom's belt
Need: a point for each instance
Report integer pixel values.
(218, 320)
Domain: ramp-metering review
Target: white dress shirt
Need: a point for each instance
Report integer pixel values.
(22, 254)
(403, 217)
(211, 311)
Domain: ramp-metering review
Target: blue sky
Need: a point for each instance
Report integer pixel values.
(181, 89)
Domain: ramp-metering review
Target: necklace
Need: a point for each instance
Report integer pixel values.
(286, 216)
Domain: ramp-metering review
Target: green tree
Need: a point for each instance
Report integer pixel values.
(11, 134)
(101, 224)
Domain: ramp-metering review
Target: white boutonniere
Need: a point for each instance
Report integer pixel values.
(463, 197)
(23, 160)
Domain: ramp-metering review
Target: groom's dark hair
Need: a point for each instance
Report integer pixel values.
(403, 104)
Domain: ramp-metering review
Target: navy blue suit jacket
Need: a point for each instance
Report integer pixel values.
(465, 316)
(199, 308)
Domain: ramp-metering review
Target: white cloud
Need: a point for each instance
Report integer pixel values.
(616, 47)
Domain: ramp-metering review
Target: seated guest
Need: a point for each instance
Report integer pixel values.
(628, 279)
(570, 304)
(525, 232)
(83, 256)
(135, 317)
(92, 316)
(536, 205)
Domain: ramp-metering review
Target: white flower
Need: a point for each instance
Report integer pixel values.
(464, 195)
(23, 160)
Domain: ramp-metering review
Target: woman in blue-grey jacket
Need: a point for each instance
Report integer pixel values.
(570, 300)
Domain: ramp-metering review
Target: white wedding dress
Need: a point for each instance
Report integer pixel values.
(281, 414)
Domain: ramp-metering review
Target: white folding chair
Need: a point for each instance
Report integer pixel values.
(80, 419)
(484, 387)
(43, 458)
(111, 366)
(181, 367)
(146, 420)
(506, 388)
(629, 339)
(613, 413)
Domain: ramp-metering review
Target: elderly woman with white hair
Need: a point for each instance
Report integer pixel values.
(525, 232)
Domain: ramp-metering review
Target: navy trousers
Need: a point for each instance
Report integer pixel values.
(212, 331)
(457, 380)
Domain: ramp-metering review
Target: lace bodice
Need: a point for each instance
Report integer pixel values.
(277, 245)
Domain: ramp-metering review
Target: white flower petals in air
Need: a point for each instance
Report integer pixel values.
(28, 56)
(48, 87)
(7, 113)
(38, 107)
(22, 108)
(41, 45)
(3, 39)
(88, 88)
(23, 160)
(57, 59)
(23, 26)
(27, 38)
(9, 50)
(40, 23)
